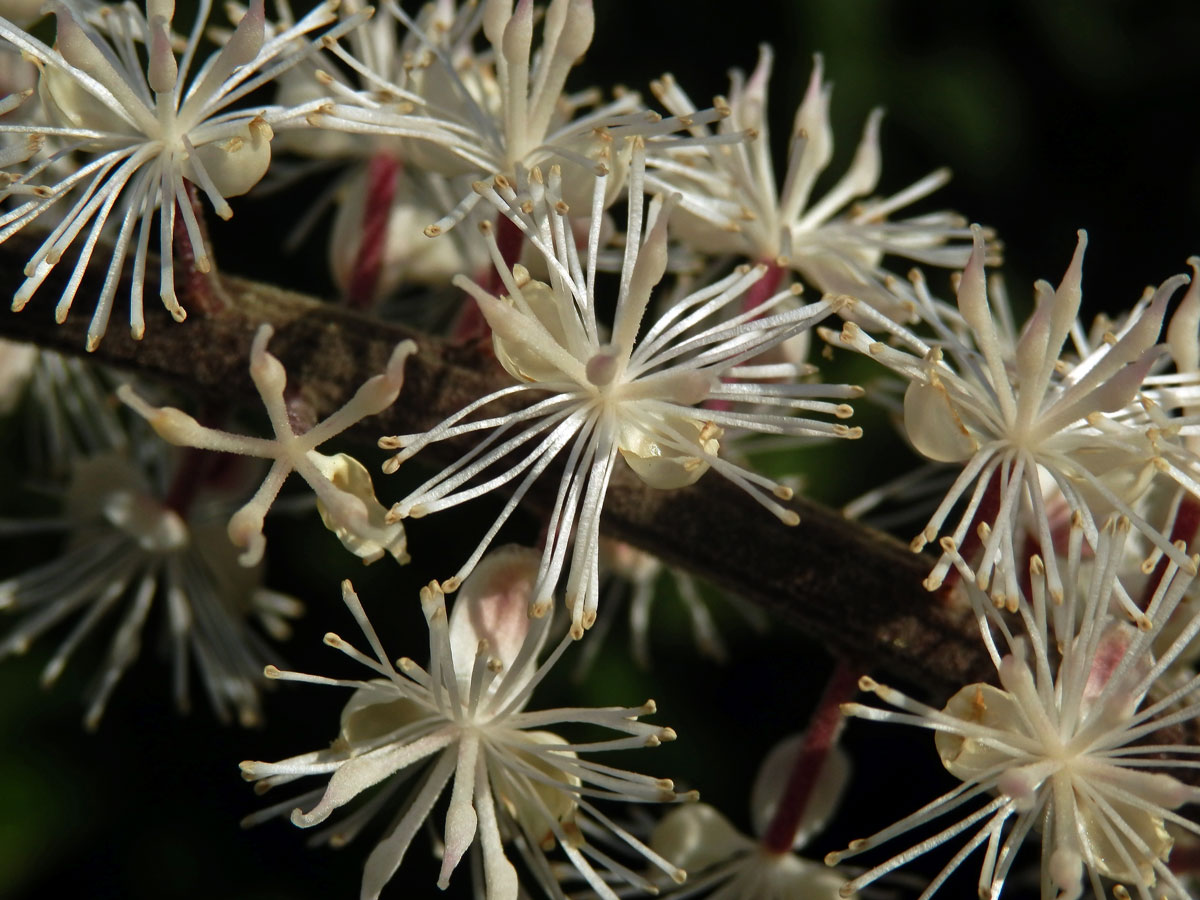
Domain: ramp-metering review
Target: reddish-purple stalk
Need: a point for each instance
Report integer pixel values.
(764, 289)
(199, 294)
(823, 730)
(989, 507)
(1185, 859)
(1184, 528)
(192, 472)
(382, 172)
(471, 325)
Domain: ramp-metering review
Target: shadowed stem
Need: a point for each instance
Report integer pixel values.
(853, 589)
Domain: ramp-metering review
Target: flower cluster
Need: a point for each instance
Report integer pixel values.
(1041, 436)
(637, 287)
(1067, 441)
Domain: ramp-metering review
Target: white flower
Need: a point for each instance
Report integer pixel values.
(635, 392)
(1066, 744)
(463, 719)
(1030, 426)
(730, 203)
(345, 497)
(499, 113)
(383, 194)
(140, 130)
(127, 546)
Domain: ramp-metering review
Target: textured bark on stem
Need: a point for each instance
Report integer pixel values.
(853, 589)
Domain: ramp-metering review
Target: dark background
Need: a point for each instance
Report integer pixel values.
(1053, 116)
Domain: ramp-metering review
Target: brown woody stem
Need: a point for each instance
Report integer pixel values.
(853, 589)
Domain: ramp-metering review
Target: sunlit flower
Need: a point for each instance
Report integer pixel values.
(345, 497)
(129, 549)
(139, 133)
(1066, 745)
(382, 193)
(1031, 425)
(730, 203)
(633, 392)
(463, 720)
(500, 113)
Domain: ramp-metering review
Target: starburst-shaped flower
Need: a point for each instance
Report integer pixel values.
(503, 112)
(730, 203)
(636, 392)
(1067, 743)
(463, 719)
(125, 138)
(128, 549)
(345, 496)
(383, 192)
(1031, 423)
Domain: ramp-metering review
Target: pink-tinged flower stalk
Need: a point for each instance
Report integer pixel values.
(383, 193)
(1033, 427)
(1067, 745)
(796, 791)
(345, 496)
(125, 138)
(635, 392)
(730, 202)
(462, 721)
